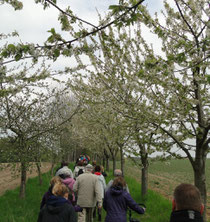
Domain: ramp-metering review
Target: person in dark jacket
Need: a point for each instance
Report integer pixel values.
(187, 205)
(57, 208)
(117, 200)
(47, 195)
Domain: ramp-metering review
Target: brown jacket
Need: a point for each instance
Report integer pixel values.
(88, 190)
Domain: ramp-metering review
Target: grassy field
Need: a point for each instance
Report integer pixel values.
(16, 210)
(165, 176)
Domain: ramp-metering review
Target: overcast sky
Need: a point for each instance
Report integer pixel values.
(32, 22)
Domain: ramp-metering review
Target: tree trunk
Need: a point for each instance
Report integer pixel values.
(52, 169)
(107, 163)
(114, 163)
(39, 173)
(23, 180)
(122, 160)
(144, 171)
(200, 179)
(144, 181)
(104, 161)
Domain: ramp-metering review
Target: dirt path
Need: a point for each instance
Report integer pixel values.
(9, 182)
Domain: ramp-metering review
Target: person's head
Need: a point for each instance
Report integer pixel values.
(117, 173)
(80, 172)
(60, 190)
(94, 162)
(119, 182)
(89, 168)
(80, 163)
(85, 162)
(64, 164)
(55, 180)
(187, 197)
(102, 169)
(65, 172)
(97, 168)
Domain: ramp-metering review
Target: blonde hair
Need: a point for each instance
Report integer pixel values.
(55, 180)
(60, 190)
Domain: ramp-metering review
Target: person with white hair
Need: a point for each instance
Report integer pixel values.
(117, 173)
(64, 171)
(88, 192)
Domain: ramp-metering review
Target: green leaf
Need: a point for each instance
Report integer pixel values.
(208, 78)
(116, 8)
(113, 7)
(11, 47)
(4, 53)
(51, 39)
(52, 30)
(18, 56)
(56, 53)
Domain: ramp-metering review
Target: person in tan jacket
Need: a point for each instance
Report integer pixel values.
(88, 192)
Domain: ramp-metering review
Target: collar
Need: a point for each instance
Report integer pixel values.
(185, 216)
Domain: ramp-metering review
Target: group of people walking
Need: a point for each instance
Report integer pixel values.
(79, 196)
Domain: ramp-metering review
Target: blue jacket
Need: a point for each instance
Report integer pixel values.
(116, 202)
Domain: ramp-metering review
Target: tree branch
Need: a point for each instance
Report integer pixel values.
(71, 16)
(180, 144)
(180, 11)
(97, 29)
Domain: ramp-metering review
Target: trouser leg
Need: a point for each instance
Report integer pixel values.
(94, 212)
(89, 214)
(82, 215)
(99, 214)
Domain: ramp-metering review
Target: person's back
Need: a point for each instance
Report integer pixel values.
(57, 208)
(187, 205)
(69, 182)
(85, 188)
(97, 172)
(88, 192)
(117, 200)
(78, 168)
(53, 181)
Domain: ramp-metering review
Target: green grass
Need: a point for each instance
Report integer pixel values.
(16, 210)
(158, 208)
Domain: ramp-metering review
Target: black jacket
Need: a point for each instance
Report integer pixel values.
(57, 209)
(186, 216)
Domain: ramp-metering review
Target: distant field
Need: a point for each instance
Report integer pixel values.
(9, 181)
(164, 176)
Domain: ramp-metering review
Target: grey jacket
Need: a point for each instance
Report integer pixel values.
(88, 190)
